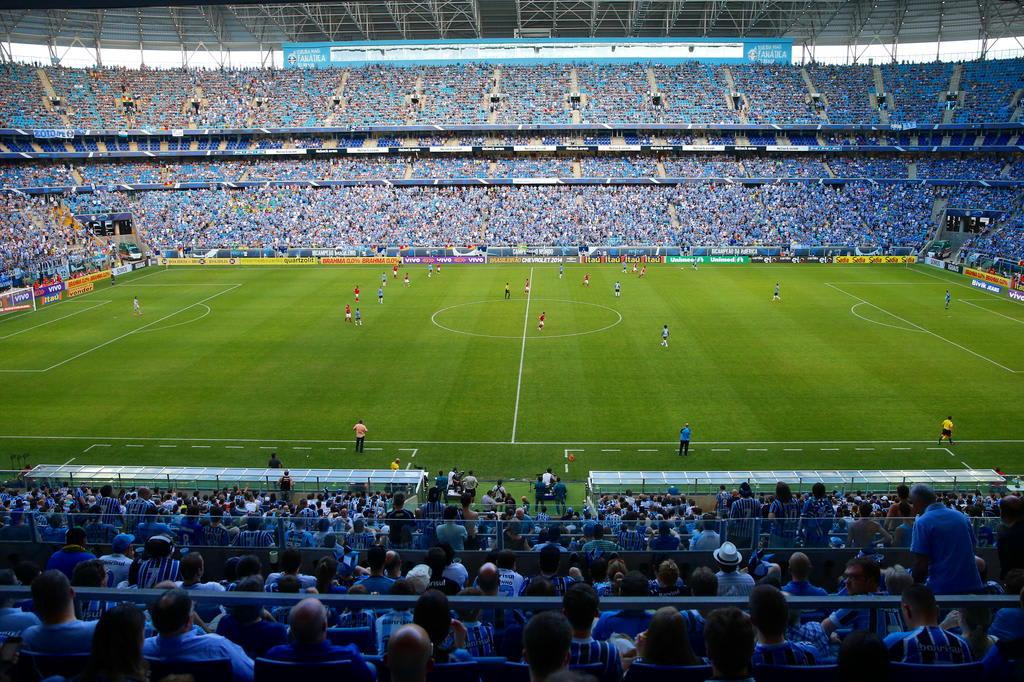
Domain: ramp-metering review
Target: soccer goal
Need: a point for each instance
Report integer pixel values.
(15, 300)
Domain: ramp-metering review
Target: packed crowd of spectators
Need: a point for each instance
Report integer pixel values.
(119, 98)
(440, 165)
(406, 639)
(33, 234)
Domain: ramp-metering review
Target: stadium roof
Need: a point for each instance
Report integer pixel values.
(245, 25)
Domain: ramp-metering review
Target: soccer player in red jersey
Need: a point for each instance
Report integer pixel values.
(540, 322)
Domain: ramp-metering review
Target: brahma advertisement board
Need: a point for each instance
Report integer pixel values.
(988, 277)
(94, 277)
(363, 260)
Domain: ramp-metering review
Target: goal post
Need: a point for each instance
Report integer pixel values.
(15, 300)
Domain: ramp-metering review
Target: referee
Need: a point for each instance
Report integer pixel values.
(684, 440)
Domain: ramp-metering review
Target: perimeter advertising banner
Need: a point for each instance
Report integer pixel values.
(731, 260)
(884, 260)
(365, 260)
(94, 277)
(19, 300)
(443, 260)
(80, 289)
(1015, 295)
(988, 277)
(533, 259)
(622, 259)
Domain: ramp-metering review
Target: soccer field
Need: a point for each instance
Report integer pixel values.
(854, 368)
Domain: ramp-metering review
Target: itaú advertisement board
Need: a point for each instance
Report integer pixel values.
(540, 50)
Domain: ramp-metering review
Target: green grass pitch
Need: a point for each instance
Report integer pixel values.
(854, 368)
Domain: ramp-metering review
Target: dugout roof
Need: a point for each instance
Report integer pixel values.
(866, 479)
(216, 477)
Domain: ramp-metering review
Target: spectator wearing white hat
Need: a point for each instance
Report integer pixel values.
(731, 581)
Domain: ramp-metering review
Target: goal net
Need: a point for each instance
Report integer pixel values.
(15, 300)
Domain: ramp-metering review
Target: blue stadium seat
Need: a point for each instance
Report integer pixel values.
(216, 670)
(796, 673)
(920, 672)
(36, 666)
(593, 669)
(455, 672)
(361, 637)
(275, 671)
(644, 672)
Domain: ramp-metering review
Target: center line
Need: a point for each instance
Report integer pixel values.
(522, 356)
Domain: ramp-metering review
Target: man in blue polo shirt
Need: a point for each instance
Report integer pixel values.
(307, 625)
(177, 641)
(943, 546)
(684, 440)
(61, 632)
(628, 621)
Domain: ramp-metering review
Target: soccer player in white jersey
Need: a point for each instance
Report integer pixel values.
(618, 289)
(664, 336)
(136, 308)
(776, 296)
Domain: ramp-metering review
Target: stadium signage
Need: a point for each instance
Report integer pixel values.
(1015, 295)
(791, 259)
(532, 259)
(122, 270)
(276, 261)
(988, 277)
(953, 267)
(332, 253)
(883, 260)
(20, 300)
(934, 262)
(365, 260)
(444, 259)
(731, 260)
(981, 284)
(84, 279)
(735, 251)
(622, 259)
(48, 290)
(52, 298)
(81, 289)
(49, 133)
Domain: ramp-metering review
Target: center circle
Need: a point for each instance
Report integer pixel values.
(596, 318)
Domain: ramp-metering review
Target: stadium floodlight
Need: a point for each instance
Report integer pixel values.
(17, 299)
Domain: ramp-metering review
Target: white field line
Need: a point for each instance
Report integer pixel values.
(413, 450)
(1009, 441)
(927, 331)
(974, 305)
(56, 319)
(139, 329)
(135, 446)
(944, 450)
(522, 356)
(96, 445)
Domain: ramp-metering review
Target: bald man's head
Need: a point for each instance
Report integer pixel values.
(307, 622)
(487, 579)
(1011, 508)
(799, 566)
(408, 655)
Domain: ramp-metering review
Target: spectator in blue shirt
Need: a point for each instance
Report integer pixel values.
(770, 616)
(581, 606)
(628, 621)
(71, 554)
(177, 641)
(799, 585)
(1009, 622)
(729, 637)
(245, 626)
(665, 540)
(862, 578)
(54, 531)
(666, 641)
(13, 621)
(926, 643)
(943, 546)
(376, 582)
(433, 615)
(307, 628)
(60, 632)
(291, 563)
(547, 641)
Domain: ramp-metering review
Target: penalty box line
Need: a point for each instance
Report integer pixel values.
(923, 329)
(126, 334)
